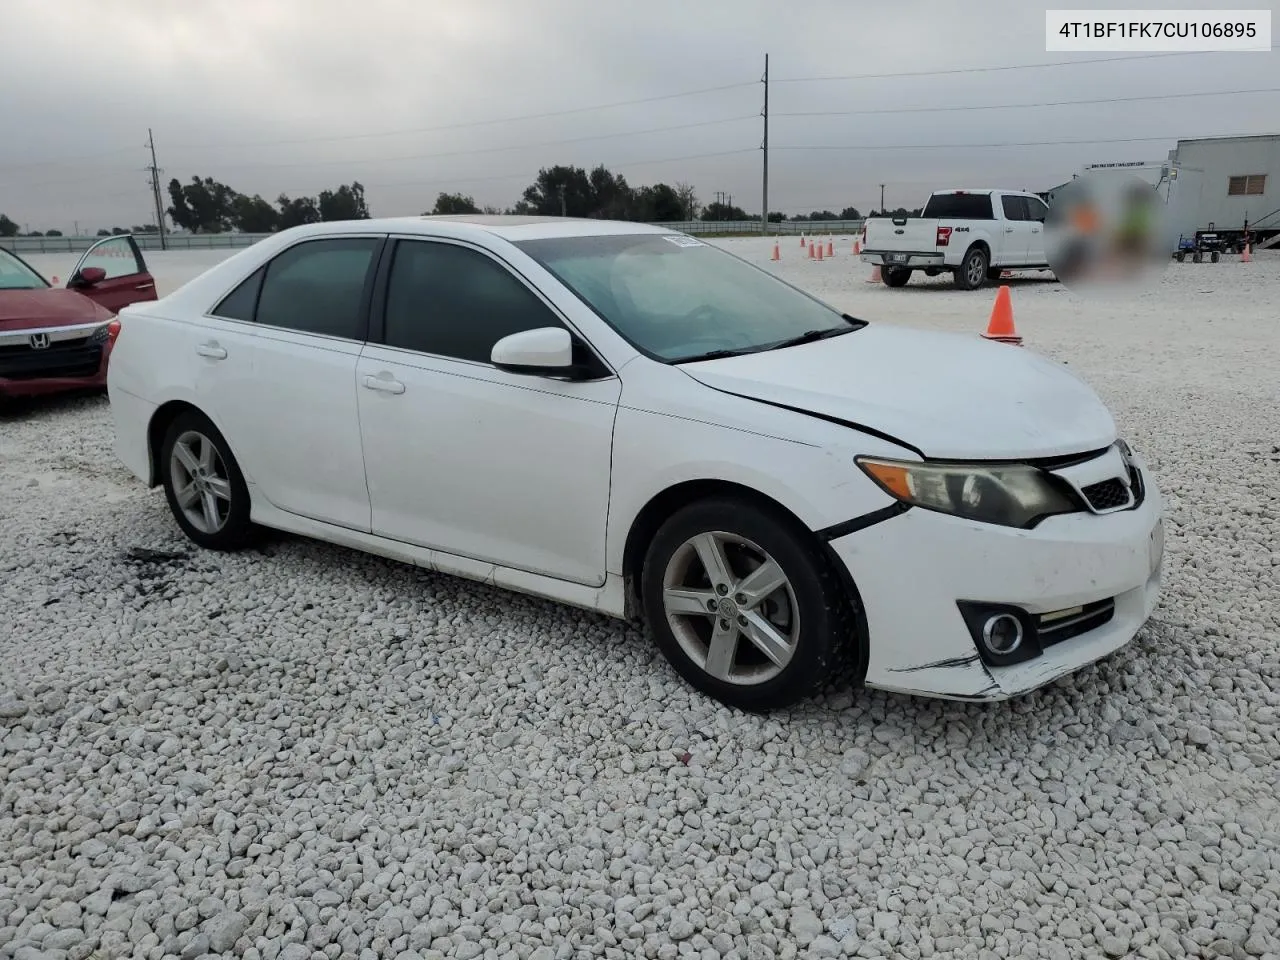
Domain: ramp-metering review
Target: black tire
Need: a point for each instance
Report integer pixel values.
(1180, 256)
(895, 276)
(1214, 257)
(824, 643)
(235, 529)
(972, 271)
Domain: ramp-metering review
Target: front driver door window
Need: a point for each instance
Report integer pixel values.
(125, 278)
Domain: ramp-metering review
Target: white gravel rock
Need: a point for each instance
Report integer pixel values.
(298, 750)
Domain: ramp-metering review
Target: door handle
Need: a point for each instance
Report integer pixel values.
(385, 384)
(212, 351)
(1008, 229)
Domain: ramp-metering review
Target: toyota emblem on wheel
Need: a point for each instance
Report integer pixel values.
(39, 341)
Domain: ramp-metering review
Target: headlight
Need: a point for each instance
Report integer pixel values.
(1012, 495)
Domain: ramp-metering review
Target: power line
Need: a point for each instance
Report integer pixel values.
(1013, 66)
(463, 153)
(1012, 106)
(475, 123)
(1011, 143)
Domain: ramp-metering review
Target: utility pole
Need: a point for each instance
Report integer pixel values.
(764, 209)
(155, 189)
(882, 199)
(564, 209)
(77, 231)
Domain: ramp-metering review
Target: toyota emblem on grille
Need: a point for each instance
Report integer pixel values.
(39, 341)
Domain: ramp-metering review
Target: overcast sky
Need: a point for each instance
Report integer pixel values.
(295, 96)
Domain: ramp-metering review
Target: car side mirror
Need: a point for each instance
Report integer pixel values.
(88, 277)
(547, 351)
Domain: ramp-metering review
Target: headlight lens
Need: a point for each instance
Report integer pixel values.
(1012, 495)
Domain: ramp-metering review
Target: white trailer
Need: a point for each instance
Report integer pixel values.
(1229, 186)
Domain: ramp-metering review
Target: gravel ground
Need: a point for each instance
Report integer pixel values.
(307, 752)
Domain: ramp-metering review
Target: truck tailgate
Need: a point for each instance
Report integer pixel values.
(916, 235)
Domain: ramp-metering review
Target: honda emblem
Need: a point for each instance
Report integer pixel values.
(39, 341)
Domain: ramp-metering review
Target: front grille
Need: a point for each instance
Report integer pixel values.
(57, 346)
(1062, 625)
(67, 358)
(1107, 495)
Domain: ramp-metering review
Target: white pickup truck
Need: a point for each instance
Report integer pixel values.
(972, 234)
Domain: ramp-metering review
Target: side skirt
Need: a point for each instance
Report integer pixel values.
(608, 599)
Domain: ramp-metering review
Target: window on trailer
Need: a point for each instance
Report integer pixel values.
(1249, 185)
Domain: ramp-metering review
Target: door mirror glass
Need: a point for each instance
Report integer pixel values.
(546, 350)
(88, 276)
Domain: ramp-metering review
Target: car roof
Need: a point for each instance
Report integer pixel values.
(507, 226)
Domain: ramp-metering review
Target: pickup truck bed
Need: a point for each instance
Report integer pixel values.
(972, 234)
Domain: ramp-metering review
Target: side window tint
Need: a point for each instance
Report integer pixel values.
(1015, 208)
(239, 304)
(1036, 210)
(115, 256)
(318, 287)
(454, 302)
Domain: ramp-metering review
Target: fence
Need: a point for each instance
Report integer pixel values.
(221, 241)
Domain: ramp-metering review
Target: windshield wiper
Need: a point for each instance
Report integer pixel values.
(719, 354)
(810, 335)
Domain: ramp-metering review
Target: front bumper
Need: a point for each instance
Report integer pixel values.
(62, 372)
(895, 258)
(913, 569)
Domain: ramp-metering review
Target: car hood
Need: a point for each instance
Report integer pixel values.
(948, 395)
(28, 309)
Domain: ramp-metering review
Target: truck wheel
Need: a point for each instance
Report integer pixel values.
(895, 276)
(1181, 257)
(973, 269)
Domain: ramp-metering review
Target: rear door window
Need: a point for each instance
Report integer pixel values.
(959, 206)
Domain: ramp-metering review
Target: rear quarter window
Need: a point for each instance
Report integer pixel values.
(958, 206)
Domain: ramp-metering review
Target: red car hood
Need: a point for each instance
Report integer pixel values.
(29, 309)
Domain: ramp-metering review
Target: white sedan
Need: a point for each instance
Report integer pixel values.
(627, 419)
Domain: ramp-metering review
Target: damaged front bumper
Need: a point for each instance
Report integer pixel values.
(1081, 584)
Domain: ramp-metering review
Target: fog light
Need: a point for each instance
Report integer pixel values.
(1002, 634)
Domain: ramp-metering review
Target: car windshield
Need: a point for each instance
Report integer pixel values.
(16, 275)
(679, 299)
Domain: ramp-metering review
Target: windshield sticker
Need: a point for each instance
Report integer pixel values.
(680, 241)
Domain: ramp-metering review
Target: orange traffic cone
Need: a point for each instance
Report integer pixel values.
(812, 254)
(777, 253)
(1244, 257)
(819, 246)
(875, 274)
(1000, 327)
(802, 243)
(857, 248)
(831, 250)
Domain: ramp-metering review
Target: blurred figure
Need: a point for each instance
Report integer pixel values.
(1104, 232)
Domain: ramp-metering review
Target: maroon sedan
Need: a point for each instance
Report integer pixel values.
(57, 339)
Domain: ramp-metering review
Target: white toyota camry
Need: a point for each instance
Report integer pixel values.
(627, 419)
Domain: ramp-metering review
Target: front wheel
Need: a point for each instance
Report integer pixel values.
(973, 269)
(203, 484)
(895, 276)
(743, 606)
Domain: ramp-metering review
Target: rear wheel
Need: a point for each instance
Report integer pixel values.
(895, 276)
(744, 606)
(973, 269)
(203, 484)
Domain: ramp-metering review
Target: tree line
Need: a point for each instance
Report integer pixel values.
(205, 205)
